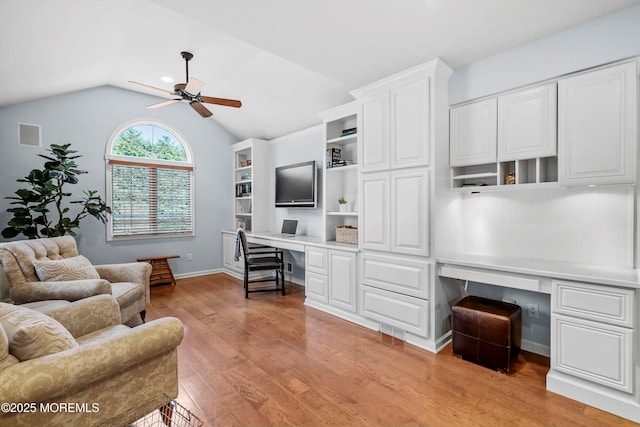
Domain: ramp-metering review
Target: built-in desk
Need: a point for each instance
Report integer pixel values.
(331, 270)
(595, 319)
(295, 243)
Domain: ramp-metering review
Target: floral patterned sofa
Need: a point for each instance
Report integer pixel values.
(77, 365)
(51, 269)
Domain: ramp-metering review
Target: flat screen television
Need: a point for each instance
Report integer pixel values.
(296, 185)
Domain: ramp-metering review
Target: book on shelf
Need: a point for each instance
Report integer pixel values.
(349, 131)
(333, 155)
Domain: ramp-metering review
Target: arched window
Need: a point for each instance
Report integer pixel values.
(149, 182)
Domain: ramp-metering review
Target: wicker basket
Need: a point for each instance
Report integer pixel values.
(347, 234)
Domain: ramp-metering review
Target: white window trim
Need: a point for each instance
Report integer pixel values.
(189, 163)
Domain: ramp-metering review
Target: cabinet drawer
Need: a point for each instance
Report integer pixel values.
(403, 275)
(594, 351)
(400, 311)
(595, 302)
(315, 286)
(316, 260)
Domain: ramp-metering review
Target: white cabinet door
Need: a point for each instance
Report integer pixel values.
(402, 274)
(597, 125)
(315, 286)
(410, 212)
(374, 213)
(473, 135)
(410, 125)
(527, 123)
(400, 311)
(342, 280)
(594, 302)
(594, 351)
(316, 260)
(374, 135)
(228, 252)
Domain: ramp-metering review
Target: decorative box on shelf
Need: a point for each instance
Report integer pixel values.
(347, 234)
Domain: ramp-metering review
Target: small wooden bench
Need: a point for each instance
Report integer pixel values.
(161, 273)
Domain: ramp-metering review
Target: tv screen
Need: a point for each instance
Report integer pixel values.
(296, 185)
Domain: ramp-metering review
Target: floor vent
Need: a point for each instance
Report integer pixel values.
(391, 335)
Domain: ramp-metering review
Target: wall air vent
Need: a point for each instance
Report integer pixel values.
(29, 135)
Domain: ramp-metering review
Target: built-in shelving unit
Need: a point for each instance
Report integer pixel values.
(340, 169)
(503, 175)
(506, 141)
(251, 184)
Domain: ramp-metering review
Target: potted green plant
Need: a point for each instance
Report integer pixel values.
(40, 210)
(344, 204)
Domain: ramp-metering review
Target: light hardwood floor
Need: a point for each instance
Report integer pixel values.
(271, 361)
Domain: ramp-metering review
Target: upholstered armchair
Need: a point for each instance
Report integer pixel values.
(51, 269)
(77, 365)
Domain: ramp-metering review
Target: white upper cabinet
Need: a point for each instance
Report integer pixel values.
(410, 125)
(527, 123)
(397, 117)
(473, 130)
(395, 215)
(597, 126)
(374, 121)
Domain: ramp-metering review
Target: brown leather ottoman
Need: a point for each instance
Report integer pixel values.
(487, 331)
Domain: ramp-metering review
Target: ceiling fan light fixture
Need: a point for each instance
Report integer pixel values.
(190, 92)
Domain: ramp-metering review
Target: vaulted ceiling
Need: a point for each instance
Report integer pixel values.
(287, 60)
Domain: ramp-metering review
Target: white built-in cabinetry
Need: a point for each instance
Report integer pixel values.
(396, 214)
(597, 126)
(251, 185)
(395, 125)
(331, 281)
(474, 129)
(592, 333)
(398, 131)
(504, 140)
(578, 130)
(340, 179)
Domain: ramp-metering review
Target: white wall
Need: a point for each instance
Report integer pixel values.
(610, 38)
(582, 225)
(298, 147)
(86, 119)
(591, 226)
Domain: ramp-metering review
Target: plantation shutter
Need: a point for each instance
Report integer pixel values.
(150, 199)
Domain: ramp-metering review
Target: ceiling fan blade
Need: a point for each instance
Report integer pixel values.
(201, 109)
(163, 103)
(152, 87)
(194, 86)
(221, 101)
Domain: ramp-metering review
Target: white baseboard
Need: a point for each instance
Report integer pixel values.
(199, 273)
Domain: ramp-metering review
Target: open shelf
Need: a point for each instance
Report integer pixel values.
(526, 173)
(346, 139)
(342, 213)
(340, 181)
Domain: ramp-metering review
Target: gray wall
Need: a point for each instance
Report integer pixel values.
(611, 38)
(86, 119)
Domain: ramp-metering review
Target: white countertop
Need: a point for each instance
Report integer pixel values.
(624, 277)
(301, 240)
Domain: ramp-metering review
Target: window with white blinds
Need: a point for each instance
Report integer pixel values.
(150, 177)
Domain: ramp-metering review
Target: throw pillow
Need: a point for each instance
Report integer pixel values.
(74, 268)
(32, 334)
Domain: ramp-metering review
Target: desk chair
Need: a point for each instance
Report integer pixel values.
(259, 259)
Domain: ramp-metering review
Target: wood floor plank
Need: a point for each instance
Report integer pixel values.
(272, 361)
